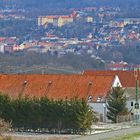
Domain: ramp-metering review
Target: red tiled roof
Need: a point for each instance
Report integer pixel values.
(127, 78)
(58, 16)
(66, 16)
(52, 17)
(117, 65)
(56, 86)
(2, 39)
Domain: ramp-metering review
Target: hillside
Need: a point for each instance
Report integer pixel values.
(69, 3)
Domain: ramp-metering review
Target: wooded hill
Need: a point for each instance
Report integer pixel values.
(69, 3)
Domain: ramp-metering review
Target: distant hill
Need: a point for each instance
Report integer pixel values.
(129, 8)
(69, 3)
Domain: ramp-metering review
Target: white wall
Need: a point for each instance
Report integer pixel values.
(132, 108)
(2, 48)
(116, 82)
(101, 109)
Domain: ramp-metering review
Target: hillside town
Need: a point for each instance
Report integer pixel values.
(103, 31)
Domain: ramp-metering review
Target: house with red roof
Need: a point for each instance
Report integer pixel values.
(128, 82)
(118, 66)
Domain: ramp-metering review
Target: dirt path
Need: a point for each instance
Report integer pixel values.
(29, 136)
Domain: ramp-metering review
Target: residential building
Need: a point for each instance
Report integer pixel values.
(56, 20)
(128, 82)
(118, 66)
(89, 19)
(2, 48)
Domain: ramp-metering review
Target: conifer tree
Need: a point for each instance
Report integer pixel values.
(116, 103)
(86, 117)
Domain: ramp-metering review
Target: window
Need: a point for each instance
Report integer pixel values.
(90, 98)
(131, 103)
(136, 105)
(98, 99)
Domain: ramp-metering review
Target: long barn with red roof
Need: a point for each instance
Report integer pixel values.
(58, 86)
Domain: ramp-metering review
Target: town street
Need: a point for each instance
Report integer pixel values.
(111, 134)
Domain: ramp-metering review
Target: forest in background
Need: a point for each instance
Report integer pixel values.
(37, 63)
(128, 7)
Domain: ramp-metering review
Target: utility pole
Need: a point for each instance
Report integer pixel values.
(137, 94)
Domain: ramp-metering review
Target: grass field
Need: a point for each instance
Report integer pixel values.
(5, 138)
(134, 136)
(23, 138)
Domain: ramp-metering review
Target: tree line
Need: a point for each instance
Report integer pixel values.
(74, 62)
(54, 116)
